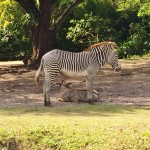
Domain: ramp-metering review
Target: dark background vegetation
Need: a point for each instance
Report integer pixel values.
(127, 22)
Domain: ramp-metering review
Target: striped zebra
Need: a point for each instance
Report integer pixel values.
(70, 94)
(83, 64)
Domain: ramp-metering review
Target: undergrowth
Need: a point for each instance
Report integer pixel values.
(97, 127)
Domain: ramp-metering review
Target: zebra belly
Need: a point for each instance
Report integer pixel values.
(73, 74)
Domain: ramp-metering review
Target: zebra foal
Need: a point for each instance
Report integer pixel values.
(83, 64)
(70, 94)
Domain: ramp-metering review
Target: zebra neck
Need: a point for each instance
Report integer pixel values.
(99, 55)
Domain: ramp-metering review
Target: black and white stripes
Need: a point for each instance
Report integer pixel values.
(73, 62)
(86, 63)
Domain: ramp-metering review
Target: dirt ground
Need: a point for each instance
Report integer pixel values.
(131, 86)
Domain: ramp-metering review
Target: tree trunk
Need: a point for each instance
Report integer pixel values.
(35, 39)
(41, 35)
(42, 32)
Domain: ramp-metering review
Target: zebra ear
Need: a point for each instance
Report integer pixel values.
(62, 82)
(114, 45)
(110, 39)
(68, 85)
(59, 84)
(110, 42)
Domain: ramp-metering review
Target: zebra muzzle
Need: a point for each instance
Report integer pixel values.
(117, 69)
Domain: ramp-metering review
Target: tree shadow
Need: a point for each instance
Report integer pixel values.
(100, 110)
(131, 86)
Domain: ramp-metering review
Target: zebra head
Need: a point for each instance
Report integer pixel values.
(112, 59)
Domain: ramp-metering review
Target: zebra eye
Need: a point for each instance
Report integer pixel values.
(116, 56)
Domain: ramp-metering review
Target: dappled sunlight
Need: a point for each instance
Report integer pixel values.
(86, 110)
(8, 63)
(106, 125)
(128, 87)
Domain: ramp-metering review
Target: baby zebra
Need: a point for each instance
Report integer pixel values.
(69, 94)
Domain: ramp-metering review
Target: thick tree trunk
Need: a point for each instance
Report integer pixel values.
(43, 43)
(35, 39)
(41, 34)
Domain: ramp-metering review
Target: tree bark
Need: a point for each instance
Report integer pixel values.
(42, 32)
(66, 13)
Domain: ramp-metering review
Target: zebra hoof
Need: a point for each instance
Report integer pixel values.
(48, 104)
(91, 103)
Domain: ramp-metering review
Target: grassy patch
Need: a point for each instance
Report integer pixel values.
(106, 127)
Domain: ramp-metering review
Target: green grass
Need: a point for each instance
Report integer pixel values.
(95, 127)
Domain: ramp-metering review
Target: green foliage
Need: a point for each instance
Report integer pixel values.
(77, 127)
(125, 21)
(138, 43)
(82, 31)
(144, 9)
(137, 40)
(14, 29)
(141, 6)
(95, 25)
(122, 21)
(64, 2)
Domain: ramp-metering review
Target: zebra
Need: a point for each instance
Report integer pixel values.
(70, 94)
(82, 64)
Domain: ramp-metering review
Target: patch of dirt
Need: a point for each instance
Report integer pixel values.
(131, 86)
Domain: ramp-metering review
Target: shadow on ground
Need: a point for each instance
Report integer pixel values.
(75, 110)
(129, 87)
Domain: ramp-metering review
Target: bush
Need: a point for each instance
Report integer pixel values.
(14, 33)
(138, 42)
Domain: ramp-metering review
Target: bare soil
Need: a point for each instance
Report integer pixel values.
(131, 86)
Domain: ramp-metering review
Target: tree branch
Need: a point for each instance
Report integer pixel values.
(66, 13)
(29, 6)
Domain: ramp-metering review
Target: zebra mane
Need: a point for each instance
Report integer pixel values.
(100, 44)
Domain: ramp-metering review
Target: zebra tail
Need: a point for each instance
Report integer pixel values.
(38, 73)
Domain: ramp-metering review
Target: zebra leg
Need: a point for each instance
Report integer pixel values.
(89, 84)
(49, 78)
(46, 91)
(92, 72)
